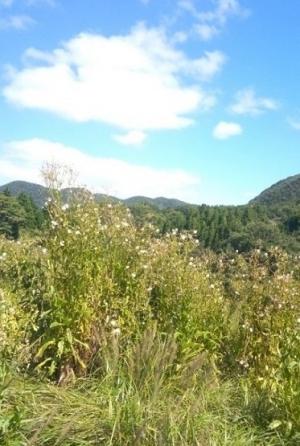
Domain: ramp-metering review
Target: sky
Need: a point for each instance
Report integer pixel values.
(191, 99)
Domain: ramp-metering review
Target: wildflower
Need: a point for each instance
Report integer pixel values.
(114, 323)
(44, 250)
(133, 275)
(116, 332)
(54, 223)
(62, 243)
(65, 207)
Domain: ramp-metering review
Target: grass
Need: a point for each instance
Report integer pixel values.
(114, 334)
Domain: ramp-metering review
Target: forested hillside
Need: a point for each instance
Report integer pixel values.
(283, 191)
(260, 224)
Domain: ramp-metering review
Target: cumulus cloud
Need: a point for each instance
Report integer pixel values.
(211, 22)
(225, 130)
(138, 81)
(23, 159)
(17, 22)
(248, 103)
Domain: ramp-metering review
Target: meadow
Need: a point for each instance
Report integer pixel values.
(113, 333)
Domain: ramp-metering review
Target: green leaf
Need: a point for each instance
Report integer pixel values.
(44, 348)
(275, 424)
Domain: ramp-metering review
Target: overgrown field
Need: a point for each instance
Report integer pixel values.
(113, 334)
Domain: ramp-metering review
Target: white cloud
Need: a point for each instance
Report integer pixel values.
(139, 81)
(132, 138)
(248, 103)
(17, 22)
(225, 130)
(294, 123)
(23, 160)
(208, 65)
(206, 32)
(212, 22)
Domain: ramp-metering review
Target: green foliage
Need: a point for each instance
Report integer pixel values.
(11, 216)
(283, 191)
(114, 333)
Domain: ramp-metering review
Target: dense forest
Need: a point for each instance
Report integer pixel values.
(271, 219)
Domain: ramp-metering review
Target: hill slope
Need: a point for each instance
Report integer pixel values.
(283, 191)
(38, 194)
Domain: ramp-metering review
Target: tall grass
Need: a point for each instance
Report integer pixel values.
(114, 334)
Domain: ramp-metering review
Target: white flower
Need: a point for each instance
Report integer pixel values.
(133, 275)
(62, 243)
(44, 250)
(114, 323)
(65, 207)
(116, 332)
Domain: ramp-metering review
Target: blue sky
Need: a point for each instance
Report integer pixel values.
(194, 99)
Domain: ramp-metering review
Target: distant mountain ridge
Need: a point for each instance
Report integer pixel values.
(280, 192)
(39, 195)
(286, 190)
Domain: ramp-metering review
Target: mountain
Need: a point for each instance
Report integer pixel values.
(283, 191)
(159, 202)
(39, 194)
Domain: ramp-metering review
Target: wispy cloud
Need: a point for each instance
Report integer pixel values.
(50, 3)
(294, 123)
(248, 103)
(211, 22)
(132, 138)
(6, 3)
(9, 3)
(225, 130)
(17, 22)
(23, 159)
(136, 82)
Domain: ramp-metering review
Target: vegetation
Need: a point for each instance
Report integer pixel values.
(283, 191)
(114, 333)
(230, 228)
(259, 225)
(17, 213)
